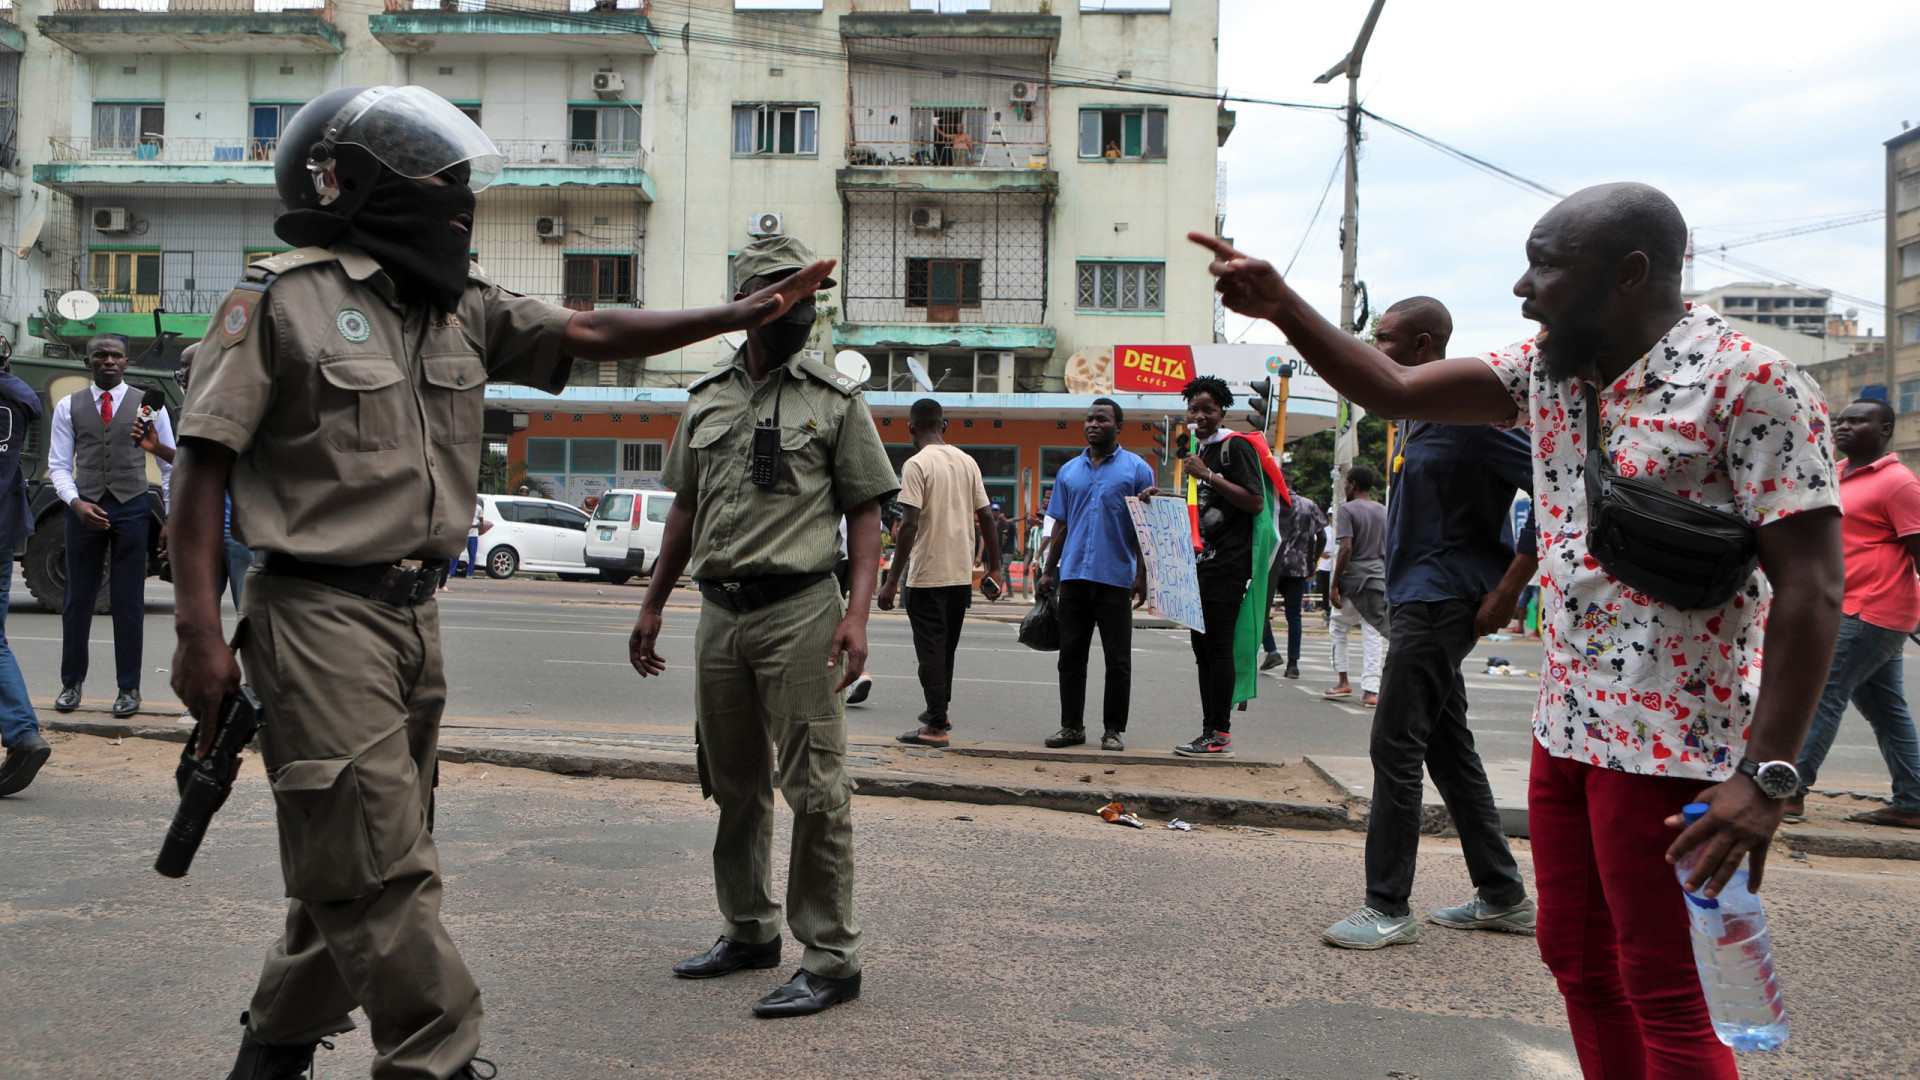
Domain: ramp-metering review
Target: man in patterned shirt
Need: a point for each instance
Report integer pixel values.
(1643, 707)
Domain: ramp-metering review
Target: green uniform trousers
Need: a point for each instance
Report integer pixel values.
(761, 682)
(351, 690)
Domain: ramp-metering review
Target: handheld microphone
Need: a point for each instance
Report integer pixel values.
(151, 402)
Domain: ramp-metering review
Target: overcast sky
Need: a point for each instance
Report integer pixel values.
(1754, 116)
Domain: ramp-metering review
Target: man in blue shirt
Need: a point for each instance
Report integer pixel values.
(1095, 560)
(19, 725)
(1452, 575)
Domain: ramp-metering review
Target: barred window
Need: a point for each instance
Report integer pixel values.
(1121, 286)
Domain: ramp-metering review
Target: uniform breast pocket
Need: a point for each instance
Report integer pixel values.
(363, 405)
(710, 448)
(456, 385)
(802, 453)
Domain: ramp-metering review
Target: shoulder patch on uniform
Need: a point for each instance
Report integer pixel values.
(236, 314)
(831, 376)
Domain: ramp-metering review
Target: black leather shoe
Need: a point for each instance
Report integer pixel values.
(68, 700)
(126, 704)
(272, 1061)
(24, 759)
(728, 955)
(806, 994)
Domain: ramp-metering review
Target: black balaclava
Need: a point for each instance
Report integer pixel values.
(407, 227)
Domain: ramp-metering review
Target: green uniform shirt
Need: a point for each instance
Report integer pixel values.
(831, 460)
(356, 421)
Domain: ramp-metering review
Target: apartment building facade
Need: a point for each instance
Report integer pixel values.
(997, 195)
(1903, 289)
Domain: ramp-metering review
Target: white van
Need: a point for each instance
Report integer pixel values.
(624, 537)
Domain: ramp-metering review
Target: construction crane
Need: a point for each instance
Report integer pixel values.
(1842, 221)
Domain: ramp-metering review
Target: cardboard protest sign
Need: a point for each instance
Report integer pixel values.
(1166, 545)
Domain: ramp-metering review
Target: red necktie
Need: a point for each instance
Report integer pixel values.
(106, 408)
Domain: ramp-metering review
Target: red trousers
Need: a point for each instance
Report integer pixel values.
(1613, 923)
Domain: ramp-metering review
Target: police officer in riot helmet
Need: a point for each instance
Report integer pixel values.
(340, 391)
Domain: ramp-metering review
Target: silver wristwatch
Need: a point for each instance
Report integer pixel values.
(1775, 779)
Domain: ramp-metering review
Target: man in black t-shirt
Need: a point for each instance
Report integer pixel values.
(1228, 471)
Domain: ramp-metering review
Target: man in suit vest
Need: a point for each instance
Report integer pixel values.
(100, 472)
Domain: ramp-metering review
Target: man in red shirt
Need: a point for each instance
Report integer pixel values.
(1881, 538)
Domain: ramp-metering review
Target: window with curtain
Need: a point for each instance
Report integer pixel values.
(776, 129)
(1123, 134)
(129, 128)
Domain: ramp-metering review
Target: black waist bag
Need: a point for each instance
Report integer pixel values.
(1673, 549)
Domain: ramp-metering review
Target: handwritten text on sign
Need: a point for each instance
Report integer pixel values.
(1152, 369)
(1173, 591)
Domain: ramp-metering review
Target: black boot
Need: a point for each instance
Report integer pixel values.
(272, 1061)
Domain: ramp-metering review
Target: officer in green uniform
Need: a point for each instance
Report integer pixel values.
(339, 395)
(773, 450)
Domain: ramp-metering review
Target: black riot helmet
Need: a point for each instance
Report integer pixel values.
(332, 151)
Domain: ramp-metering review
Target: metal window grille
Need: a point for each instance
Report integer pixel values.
(1112, 286)
(957, 103)
(989, 252)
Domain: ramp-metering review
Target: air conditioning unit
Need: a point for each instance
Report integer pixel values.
(608, 81)
(550, 228)
(766, 223)
(925, 217)
(1022, 92)
(110, 219)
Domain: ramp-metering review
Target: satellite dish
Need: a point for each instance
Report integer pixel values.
(36, 220)
(853, 365)
(77, 306)
(919, 371)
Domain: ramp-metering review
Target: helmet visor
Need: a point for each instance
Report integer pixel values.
(416, 133)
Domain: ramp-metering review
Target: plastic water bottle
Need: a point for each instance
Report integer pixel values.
(1735, 957)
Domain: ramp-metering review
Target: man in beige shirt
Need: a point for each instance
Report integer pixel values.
(943, 498)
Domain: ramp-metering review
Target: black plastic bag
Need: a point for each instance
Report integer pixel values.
(1040, 630)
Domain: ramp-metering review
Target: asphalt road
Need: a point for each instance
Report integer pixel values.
(540, 654)
(1001, 942)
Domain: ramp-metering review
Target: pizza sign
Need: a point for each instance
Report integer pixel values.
(1152, 369)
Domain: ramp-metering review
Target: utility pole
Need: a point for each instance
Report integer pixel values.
(1345, 437)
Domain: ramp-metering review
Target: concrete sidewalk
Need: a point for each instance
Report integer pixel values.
(1002, 942)
(1317, 792)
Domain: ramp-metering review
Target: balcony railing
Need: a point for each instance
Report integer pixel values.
(518, 7)
(170, 149)
(605, 153)
(959, 7)
(171, 301)
(203, 7)
(948, 154)
(883, 309)
(167, 149)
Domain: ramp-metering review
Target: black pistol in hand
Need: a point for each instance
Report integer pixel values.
(205, 782)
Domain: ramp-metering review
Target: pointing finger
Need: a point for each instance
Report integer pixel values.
(1216, 245)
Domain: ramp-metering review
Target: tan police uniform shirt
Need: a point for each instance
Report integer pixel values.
(356, 421)
(831, 460)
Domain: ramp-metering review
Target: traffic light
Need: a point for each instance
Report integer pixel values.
(1260, 400)
(1162, 437)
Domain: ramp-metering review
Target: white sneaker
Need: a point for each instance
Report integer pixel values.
(861, 687)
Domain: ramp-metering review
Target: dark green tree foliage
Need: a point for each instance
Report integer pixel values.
(1310, 471)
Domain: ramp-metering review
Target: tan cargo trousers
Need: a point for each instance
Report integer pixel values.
(761, 682)
(351, 690)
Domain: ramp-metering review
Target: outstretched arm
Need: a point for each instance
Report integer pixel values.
(1461, 391)
(629, 333)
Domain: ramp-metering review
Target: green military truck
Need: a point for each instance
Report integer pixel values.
(43, 559)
